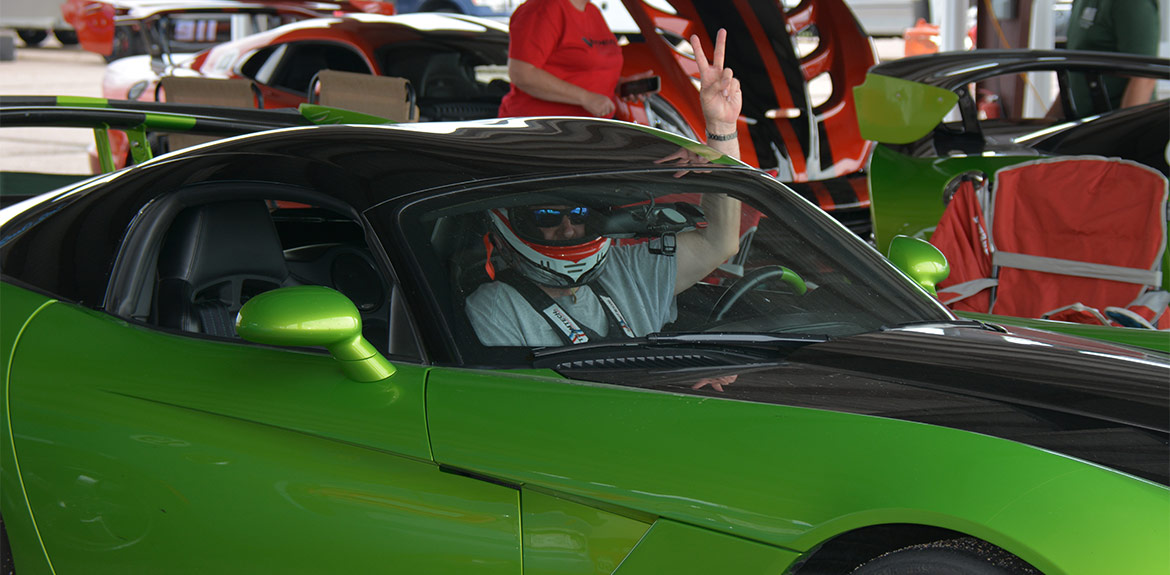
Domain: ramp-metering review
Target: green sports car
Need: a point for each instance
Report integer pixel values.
(278, 353)
(962, 119)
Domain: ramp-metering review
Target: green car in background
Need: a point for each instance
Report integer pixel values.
(254, 356)
(924, 152)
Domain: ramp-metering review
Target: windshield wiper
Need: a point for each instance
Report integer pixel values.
(947, 323)
(735, 339)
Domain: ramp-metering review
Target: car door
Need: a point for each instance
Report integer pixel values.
(146, 447)
(798, 104)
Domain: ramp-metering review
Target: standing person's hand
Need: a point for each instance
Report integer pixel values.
(598, 105)
(719, 92)
(639, 76)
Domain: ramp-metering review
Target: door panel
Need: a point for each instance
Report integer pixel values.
(563, 537)
(153, 452)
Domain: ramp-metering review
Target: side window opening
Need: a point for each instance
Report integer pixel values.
(254, 67)
(300, 62)
(214, 257)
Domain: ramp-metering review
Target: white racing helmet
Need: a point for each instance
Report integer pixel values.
(552, 263)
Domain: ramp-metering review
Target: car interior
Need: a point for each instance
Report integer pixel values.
(215, 256)
(734, 297)
(292, 67)
(448, 81)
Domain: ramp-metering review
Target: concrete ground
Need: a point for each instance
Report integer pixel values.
(50, 69)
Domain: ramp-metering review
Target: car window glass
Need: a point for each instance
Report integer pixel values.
(994, 113)
(187, 33)
(299, 62)
(192, 32)
(1039, 91)
(837, 286)
(70, 252)
(260, 65)
(214, 257)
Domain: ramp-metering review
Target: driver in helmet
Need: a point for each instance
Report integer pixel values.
(567, 284)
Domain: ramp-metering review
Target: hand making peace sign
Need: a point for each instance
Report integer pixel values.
(719, 91)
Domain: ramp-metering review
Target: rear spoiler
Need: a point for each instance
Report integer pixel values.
(895, 111)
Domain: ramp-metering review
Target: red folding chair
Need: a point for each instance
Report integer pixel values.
(1076, 238)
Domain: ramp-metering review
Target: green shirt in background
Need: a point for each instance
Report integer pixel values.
(1130, 26)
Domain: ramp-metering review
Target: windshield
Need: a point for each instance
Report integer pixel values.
(611, 258)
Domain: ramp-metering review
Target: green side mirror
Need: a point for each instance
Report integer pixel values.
(897, 111)
(920, 260)
(312, 316)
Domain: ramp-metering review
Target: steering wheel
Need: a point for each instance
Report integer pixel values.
(750, 281)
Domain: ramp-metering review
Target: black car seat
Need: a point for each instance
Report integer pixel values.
(213, 259)
(446, 77)
(459, 241)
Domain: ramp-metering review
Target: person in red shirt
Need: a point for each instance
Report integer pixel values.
(563, 60)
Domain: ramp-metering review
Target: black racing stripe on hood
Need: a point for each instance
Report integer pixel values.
(1132, 391)
(1059, 401)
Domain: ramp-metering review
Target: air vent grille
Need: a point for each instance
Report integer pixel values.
(655, 361)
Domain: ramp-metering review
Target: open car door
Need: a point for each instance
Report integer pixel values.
(802, 135)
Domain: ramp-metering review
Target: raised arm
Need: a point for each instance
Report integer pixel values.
(701, 251)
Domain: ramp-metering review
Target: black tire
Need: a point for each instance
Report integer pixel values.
(966, 556)
(32, 37)
(66, 37)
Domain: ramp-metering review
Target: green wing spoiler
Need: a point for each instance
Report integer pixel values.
(895, 111)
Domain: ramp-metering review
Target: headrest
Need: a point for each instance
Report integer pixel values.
(215, 241)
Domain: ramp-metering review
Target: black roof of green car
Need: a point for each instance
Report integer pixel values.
(952, 70)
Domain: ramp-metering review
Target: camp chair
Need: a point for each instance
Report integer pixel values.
(236, 93)
(1077, 238)
(382, 96)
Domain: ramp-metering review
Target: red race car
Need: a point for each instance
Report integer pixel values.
(457, 65)
(122, 28)
(797, 69)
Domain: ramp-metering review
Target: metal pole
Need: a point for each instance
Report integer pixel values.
(1041, 36)
(952, 25)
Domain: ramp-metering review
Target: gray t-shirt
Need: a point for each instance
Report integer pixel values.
(640, 283)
